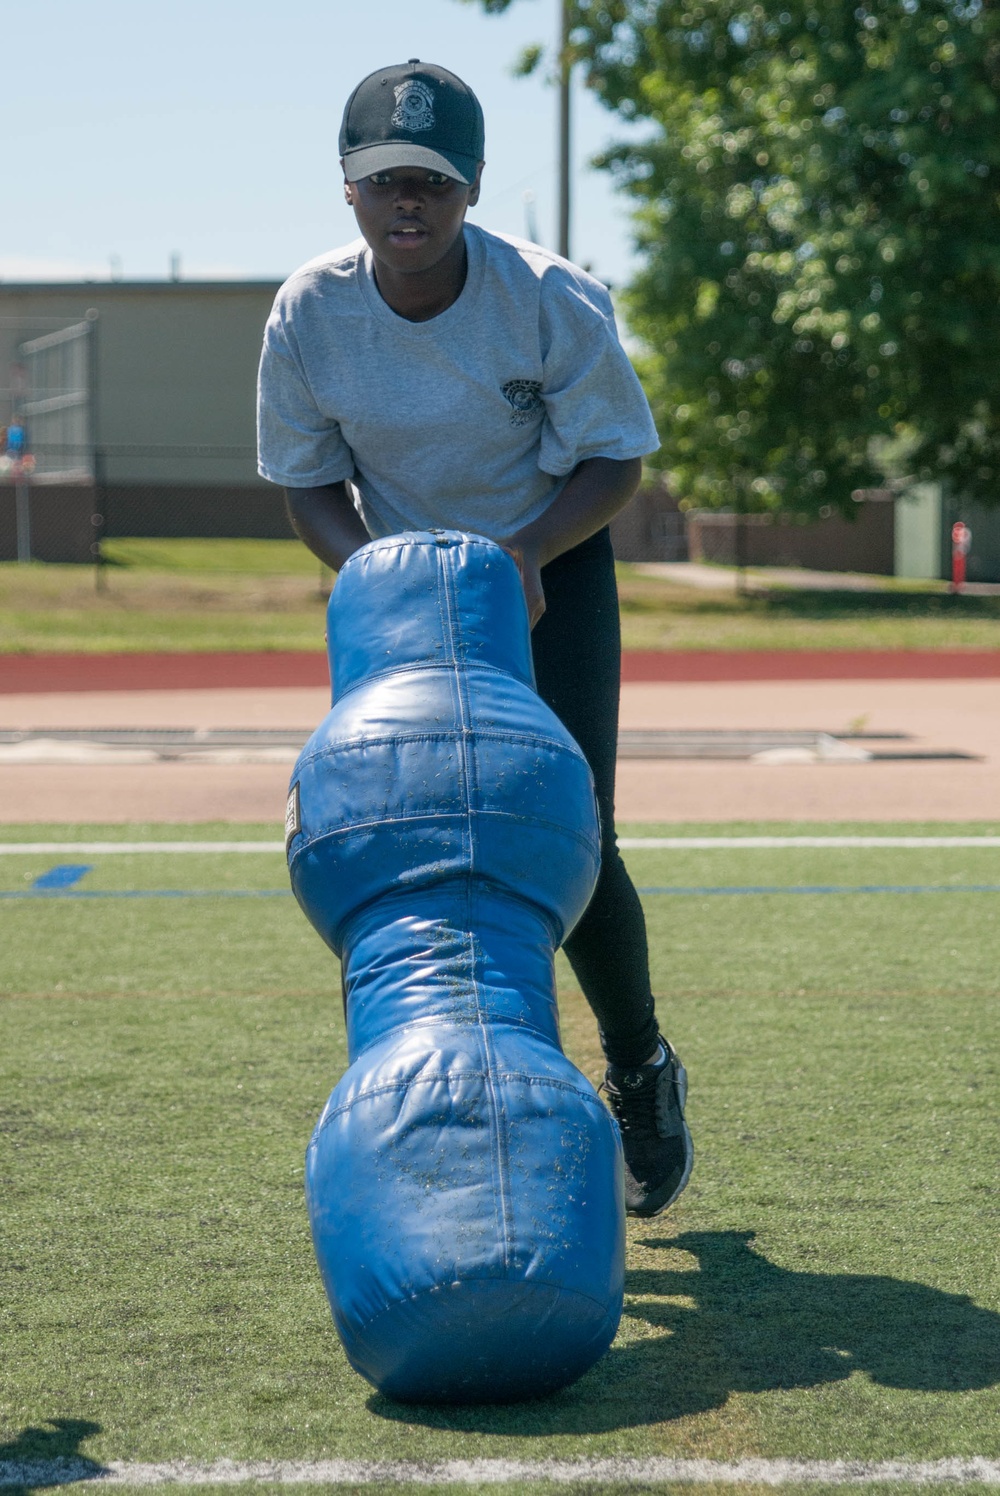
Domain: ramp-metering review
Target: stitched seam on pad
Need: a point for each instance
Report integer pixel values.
(421, 665)
(497, 1150)
(553, 1287)
(441, 735)
(360, 827)
(358, 910)
(387, 1088)
(437, 1020)
(408, 541)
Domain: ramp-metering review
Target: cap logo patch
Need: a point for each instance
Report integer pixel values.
(414, 106)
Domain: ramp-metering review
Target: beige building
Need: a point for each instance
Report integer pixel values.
(138, 399)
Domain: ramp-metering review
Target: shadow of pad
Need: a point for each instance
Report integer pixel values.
(748, 1325)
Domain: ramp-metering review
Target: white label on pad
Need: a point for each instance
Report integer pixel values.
(293, 823)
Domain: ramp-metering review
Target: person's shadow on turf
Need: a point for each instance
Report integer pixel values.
(48, 1456)
(745, 1325)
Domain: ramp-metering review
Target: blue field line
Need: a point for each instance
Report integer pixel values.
(696, 892)
(149, 893)
(63, 875)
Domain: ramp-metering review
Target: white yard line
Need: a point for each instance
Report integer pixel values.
(478, 1473)
(627, 843)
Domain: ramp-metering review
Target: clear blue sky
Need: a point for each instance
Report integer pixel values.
(209, 127)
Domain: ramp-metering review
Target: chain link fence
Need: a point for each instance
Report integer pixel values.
(831, 542)
(217, 501)
(651, 528)
(47, 474)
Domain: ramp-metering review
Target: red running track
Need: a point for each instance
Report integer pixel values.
(166, 672)
(811, 664)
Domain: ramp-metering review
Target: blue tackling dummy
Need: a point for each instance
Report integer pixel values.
(464, 1181)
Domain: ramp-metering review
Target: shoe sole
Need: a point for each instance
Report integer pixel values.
(647, 1215)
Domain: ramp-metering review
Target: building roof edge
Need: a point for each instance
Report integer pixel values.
(104, 288)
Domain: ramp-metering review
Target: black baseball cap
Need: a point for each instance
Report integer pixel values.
(412, 114)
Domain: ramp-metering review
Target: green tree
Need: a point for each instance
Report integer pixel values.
(818, 219)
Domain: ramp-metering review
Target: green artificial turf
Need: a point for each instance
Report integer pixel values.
(827, 1287)
(660, 614)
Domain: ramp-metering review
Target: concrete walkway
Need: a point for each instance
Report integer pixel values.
(763, 578)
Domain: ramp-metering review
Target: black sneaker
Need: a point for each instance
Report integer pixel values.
(648, 1104)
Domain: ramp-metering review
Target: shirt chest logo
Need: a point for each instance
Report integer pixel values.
(414, 106)
(525, 398)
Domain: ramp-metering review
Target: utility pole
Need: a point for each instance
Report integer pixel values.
(22, 510)
(740, 537)
(564, 128)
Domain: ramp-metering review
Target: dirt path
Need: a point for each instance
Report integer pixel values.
(961, 715)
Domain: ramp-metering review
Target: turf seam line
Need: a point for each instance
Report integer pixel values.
(656, 1470)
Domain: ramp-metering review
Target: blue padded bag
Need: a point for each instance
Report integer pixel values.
(464, 1181)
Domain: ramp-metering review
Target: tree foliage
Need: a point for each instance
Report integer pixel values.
(818, 218)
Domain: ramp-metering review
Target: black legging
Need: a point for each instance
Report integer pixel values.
(577, 651)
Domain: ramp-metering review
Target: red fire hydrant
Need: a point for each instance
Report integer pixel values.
(961, 542)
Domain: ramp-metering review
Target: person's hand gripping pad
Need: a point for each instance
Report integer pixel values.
(464, 1180)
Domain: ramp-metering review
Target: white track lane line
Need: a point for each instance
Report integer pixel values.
(478, 1473)
(627, 843)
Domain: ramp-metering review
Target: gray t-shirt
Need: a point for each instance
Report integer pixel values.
(472, 420)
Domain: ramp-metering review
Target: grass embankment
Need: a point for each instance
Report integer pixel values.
(657, 614)
(827, 1287)
(168, 595)
(251, 594)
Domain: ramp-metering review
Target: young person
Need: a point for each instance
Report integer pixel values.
(432, 374)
